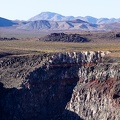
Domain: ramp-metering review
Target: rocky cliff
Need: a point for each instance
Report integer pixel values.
(60, 86)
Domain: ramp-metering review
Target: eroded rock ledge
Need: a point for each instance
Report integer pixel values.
(61, 86)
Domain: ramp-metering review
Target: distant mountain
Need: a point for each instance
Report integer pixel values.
(6, 23)
(106, 20)
(89, 19)
(54, 21)
(58, 25)
(51, 16)
(68, 25)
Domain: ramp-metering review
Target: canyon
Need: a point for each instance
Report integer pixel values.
(60, 86)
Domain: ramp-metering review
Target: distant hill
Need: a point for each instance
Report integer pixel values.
(51, 16)
(58, 25)
(6, 23)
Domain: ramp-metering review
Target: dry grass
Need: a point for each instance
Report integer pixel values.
(29, 47)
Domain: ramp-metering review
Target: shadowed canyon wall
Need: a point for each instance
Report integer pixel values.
(60, 86)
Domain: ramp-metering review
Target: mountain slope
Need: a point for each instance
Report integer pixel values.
(58, 25)
(6, 23)
(36, 25)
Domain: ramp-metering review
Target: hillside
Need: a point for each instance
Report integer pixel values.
(58, 25)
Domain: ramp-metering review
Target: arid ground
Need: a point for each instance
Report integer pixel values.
(29, 43)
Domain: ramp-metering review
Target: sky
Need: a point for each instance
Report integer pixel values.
(25, 9)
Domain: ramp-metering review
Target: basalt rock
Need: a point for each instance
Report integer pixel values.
(5, 38)
(118, 35)
(60, 86)
(62, 37)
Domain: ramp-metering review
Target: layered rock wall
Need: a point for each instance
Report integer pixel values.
(64, 86)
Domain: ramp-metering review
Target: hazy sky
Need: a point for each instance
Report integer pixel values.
(25, 9)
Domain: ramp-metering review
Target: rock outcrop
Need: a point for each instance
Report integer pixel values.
(60, 86)
(118, 35)
(5, 38)
(62, 37)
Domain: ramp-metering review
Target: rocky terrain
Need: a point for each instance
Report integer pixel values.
(60, 86)
(62, 37)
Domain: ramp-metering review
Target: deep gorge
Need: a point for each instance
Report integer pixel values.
(60, 86)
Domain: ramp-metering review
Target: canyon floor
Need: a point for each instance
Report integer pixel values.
(59, 80)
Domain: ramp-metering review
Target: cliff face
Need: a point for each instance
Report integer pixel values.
(61, 86)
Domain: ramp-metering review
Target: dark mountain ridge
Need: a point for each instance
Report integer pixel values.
(6, 23)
